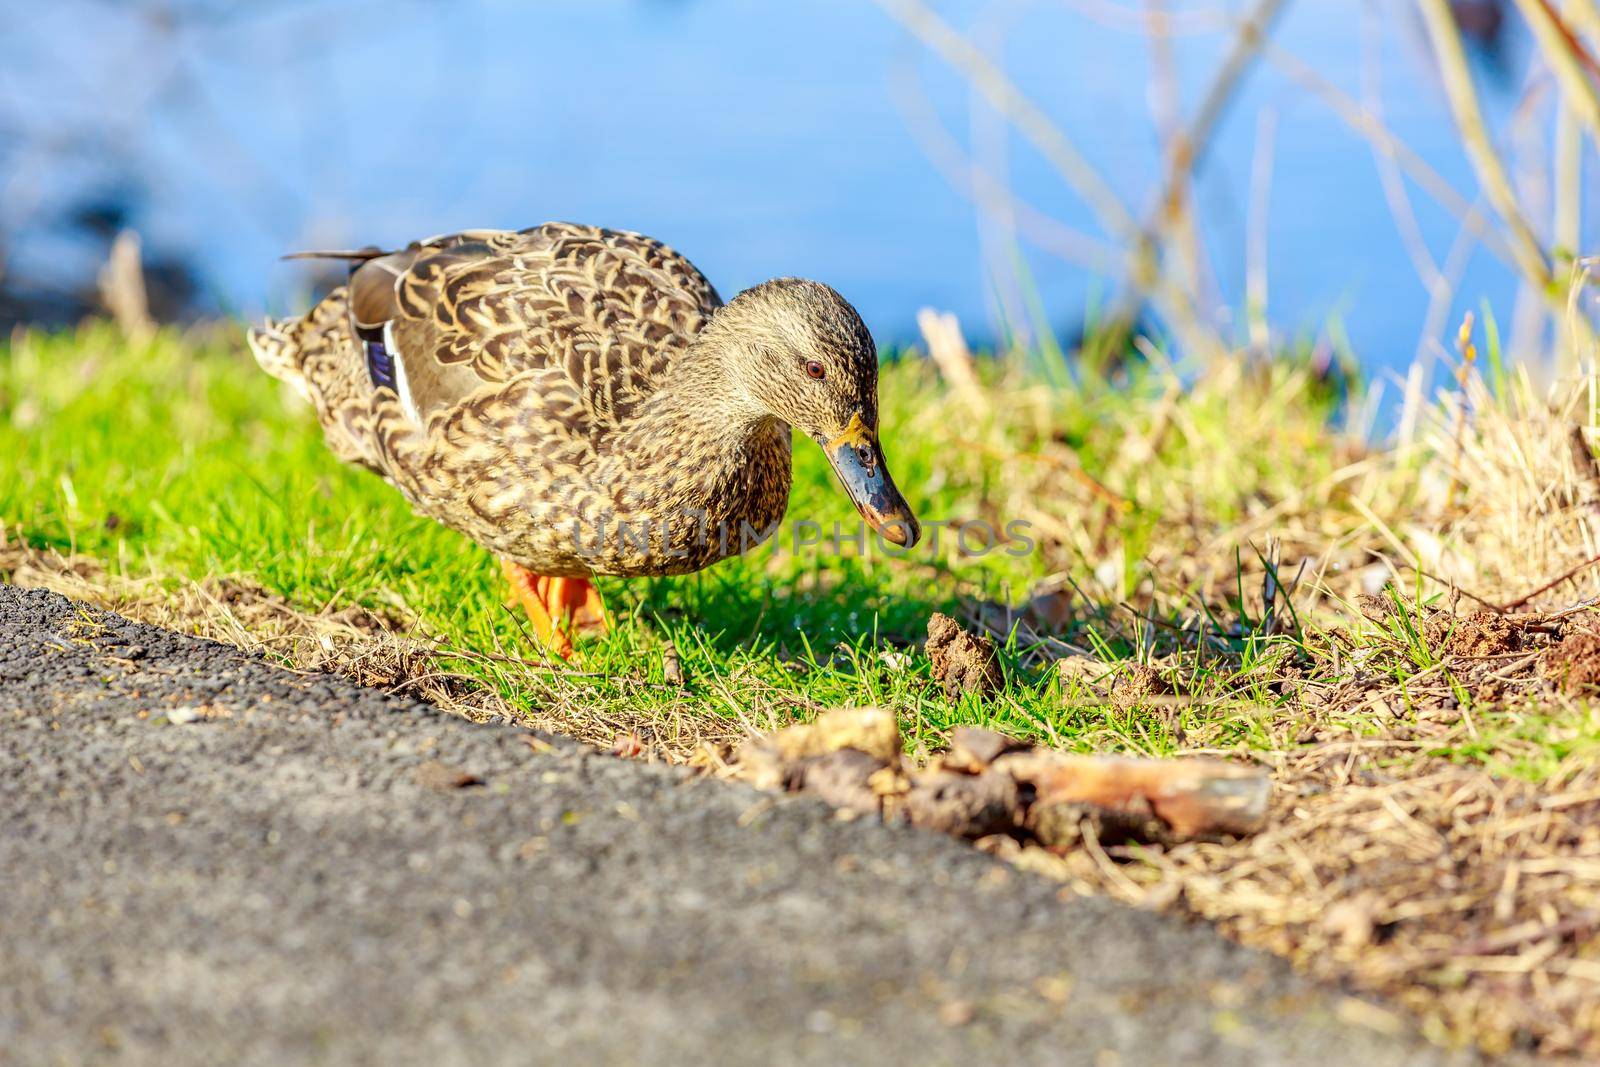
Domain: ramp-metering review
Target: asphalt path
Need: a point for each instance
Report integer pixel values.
(207, 859)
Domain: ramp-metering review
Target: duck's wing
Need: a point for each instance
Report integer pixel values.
(601, 313)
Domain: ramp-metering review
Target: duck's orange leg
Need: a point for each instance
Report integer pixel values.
(588, 610)
(556, 607)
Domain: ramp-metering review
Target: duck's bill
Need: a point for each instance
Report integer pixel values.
(857, 459)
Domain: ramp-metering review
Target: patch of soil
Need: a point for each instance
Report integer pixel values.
(435, 774)
(1574, 664)
(1137, 683)
(962, 662)
(1482, 633)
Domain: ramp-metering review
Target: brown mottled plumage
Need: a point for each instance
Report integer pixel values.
(580, 401)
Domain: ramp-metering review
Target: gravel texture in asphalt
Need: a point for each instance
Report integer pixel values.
(208, 859)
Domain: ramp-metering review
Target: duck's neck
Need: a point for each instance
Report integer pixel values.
(707, 444)
(704, 390)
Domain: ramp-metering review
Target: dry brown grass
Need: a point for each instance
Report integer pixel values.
(1405, 856)
(1511, 502)
(1473, 900)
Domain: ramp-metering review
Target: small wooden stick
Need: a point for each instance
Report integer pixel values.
(1192, 797)
(1521, 601)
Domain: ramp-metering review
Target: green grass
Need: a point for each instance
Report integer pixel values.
(178, 458)
(184, 460)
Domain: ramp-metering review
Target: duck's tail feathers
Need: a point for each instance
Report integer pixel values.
(275, 347)
(359, 255)
(314, 354)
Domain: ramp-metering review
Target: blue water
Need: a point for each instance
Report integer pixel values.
(760, 139)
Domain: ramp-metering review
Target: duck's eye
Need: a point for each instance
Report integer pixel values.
(815, 369)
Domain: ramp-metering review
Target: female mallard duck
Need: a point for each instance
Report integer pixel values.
(580, 402)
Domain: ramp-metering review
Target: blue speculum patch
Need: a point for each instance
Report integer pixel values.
(380, 365)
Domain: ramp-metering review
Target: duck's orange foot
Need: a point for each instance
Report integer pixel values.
(557, 607)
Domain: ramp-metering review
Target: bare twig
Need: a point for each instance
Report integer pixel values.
(1491, 171)
(1365, 123)
(1383, 155)
(1565, 576)
(1183, 152)
(122, 288)
(990, 194)
(1142, 261)
(1030, 120)
(1568, 179)
(1255, 285)
(1574, 67)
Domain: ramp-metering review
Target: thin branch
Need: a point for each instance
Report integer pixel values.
(1190, 22)
(1383, 156)
(1004, 96)
(1250, 34)
(989, 193)
(1369, 126)
(1166, 111)
(1568, 575)
(1486, 162)
(1255, 274)
(1586, 13)
(1567, 176)
(1565, 53)
(1188, 146)
(1172, 303)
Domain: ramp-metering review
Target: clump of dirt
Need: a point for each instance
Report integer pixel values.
(444, 777)
(1574, 664)
(962, 662)
(1482, 633)
(1375, 608)
(1500, 657)
(1137, 683)
(1490, 691)
(1477, 635)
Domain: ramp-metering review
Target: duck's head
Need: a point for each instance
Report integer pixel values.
(801, 354)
